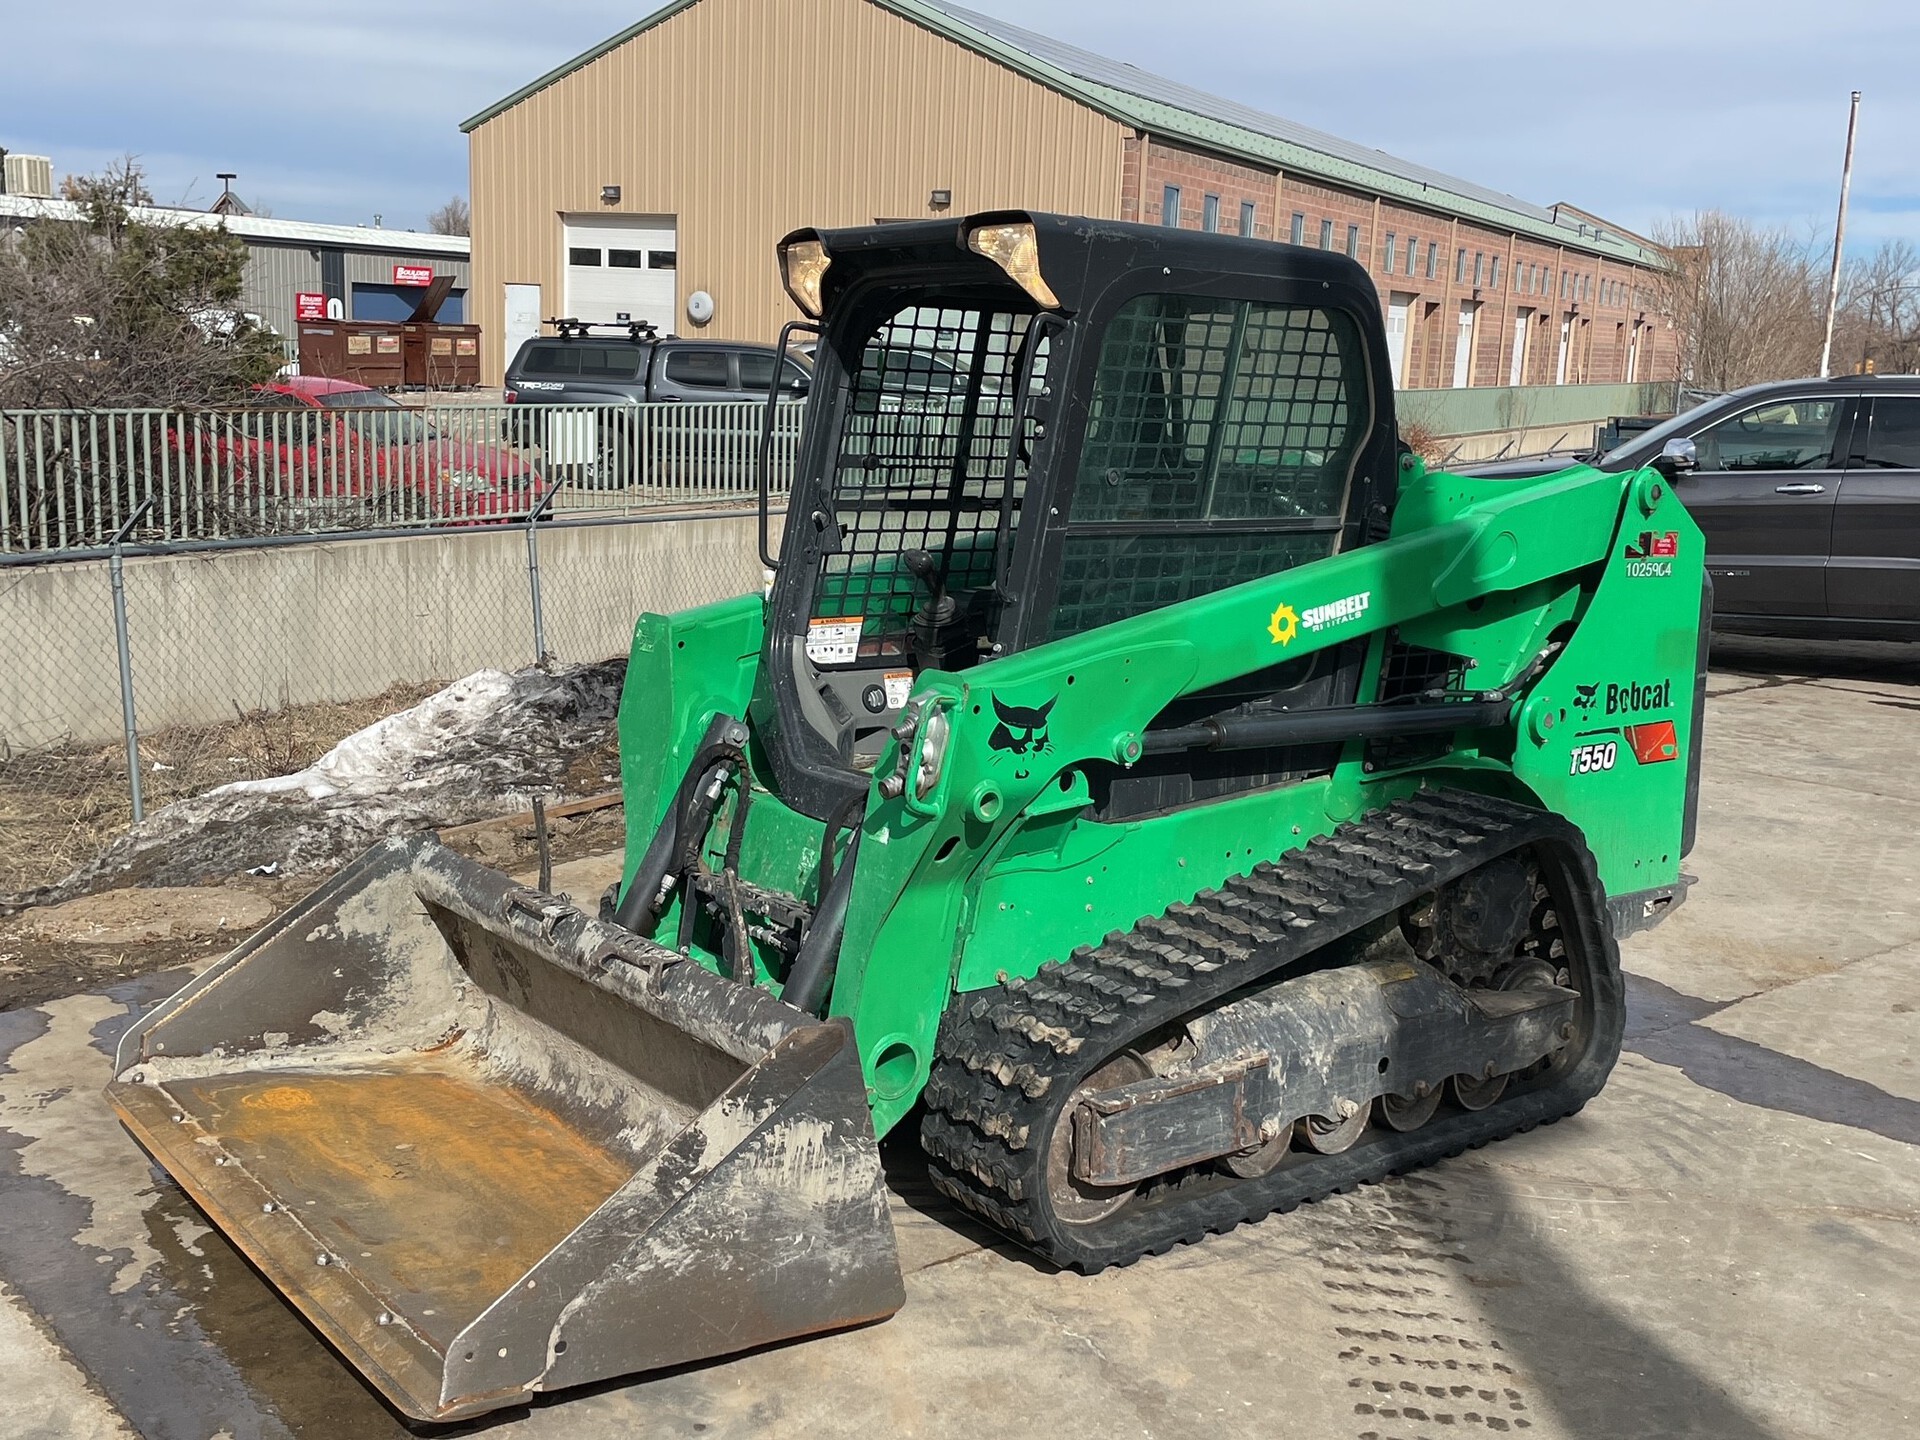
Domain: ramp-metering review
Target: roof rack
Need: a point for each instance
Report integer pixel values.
(570, 329)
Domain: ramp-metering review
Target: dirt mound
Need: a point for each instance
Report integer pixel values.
(131, 917)
(485, 745)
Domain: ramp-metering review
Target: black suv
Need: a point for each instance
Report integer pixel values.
(631, 365)
(1809, 494)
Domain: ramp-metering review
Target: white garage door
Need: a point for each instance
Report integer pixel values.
(621, 267)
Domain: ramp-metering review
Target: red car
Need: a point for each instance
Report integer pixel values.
(315, 453)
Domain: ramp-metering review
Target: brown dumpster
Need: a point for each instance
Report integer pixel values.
(365, 352)
(439, 356)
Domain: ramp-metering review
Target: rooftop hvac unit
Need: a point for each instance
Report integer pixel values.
(31, 176)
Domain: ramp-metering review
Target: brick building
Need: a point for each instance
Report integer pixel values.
(669, 159)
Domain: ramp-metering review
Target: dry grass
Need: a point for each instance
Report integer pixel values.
(59, 806)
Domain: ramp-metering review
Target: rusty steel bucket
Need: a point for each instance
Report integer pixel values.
(491, 1146)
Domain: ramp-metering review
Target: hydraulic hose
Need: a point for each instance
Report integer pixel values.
(639, 909)
(812, 973)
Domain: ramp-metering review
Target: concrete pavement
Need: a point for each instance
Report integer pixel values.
(1721, 1246)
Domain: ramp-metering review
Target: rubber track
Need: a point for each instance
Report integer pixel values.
(1007, 1057)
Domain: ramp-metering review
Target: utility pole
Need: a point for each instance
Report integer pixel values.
(1839, 236)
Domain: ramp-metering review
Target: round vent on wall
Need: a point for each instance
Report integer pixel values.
(700, 307)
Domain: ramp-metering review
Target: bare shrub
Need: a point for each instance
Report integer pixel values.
(453, 218)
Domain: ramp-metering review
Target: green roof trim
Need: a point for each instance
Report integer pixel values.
(1170, 123)
(1173, 122)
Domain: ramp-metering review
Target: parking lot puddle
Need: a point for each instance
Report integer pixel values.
(184, 1338)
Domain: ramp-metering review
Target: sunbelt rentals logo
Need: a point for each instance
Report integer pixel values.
(1287, 622)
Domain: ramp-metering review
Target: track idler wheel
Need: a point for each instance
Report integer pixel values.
(1477, 1092)
(1327, 1135)
(1410, 1112)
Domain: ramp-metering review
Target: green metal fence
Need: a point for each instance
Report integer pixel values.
(1453, 413)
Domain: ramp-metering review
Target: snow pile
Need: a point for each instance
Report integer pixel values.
(485, 745)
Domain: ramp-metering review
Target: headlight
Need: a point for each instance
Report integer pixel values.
(803, 266)
(470, 482)
(1015, 248)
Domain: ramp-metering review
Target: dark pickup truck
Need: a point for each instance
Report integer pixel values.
(629, 365)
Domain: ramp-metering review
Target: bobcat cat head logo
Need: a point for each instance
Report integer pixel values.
(1583, 695)
(1022, 731)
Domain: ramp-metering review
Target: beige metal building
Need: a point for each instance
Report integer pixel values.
(666, 162)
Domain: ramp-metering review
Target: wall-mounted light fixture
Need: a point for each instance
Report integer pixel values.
(609, 194)
(940, 199)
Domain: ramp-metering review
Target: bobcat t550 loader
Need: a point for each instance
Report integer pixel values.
(1143, 780)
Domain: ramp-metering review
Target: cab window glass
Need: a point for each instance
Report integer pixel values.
(698, 367)
(1208, 410)
(594, 362)
(1893, 439)
(756, 370)
(1774, 435)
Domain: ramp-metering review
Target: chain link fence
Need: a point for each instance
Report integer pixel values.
(249, 659)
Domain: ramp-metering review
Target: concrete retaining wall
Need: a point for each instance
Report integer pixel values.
(340, 620)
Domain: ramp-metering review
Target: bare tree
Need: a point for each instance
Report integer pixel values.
(114, 310)
(1879, 321)
(453, 218)
(1746, 300)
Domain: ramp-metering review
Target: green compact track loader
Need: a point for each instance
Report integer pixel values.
(1142, 780)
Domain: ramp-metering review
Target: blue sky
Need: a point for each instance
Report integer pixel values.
(1636, 109)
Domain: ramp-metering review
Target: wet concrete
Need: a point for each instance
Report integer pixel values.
(1720, 1246)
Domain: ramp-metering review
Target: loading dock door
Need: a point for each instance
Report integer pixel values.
(621, 265)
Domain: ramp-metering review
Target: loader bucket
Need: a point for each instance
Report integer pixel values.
(491, 1146)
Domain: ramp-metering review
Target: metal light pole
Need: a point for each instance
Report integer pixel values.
(1839, 236)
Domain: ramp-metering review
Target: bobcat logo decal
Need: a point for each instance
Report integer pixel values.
(1584, 696)
(1022, 732)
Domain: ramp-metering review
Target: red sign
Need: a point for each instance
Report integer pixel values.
(413, 274)
(309, 305)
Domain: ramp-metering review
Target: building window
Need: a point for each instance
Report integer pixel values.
(1298, 234)
(1563, 284)
(1210, 214)
(1413, 247)
(627, 259)
(1326, 234)
(580, 255)
(1433, 259)
(1460, 266)
(1479, 268)
(1246, 218)
(1170, 205)
(1353, 242)
(1493, 273)
(662, 259)
(1387, 252)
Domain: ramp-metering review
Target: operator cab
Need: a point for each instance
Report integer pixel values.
(1023, 428)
